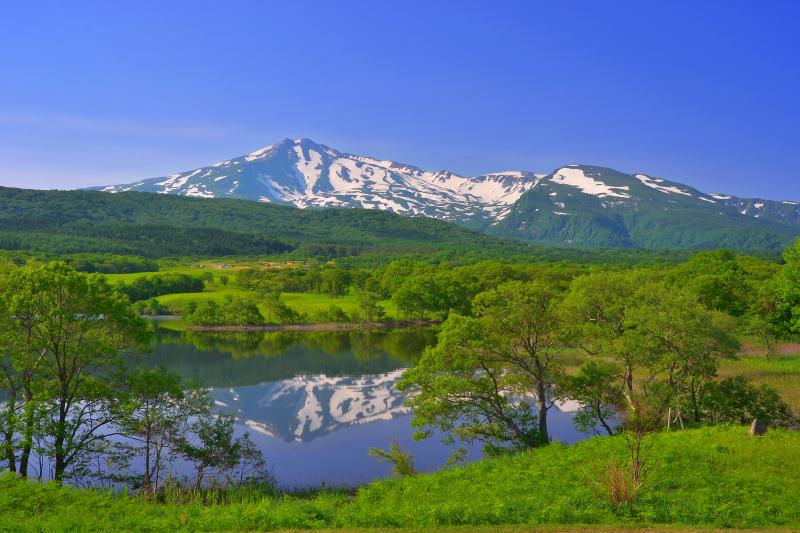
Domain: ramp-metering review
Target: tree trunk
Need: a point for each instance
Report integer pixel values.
(8, 435)
(602, 420)
(541, 406)
(27, 441)
(60, 455)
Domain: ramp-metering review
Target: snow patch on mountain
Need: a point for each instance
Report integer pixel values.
(653, 183)
(576, 177)
(310, 175)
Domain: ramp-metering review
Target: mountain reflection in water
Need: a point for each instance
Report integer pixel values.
(314, 402)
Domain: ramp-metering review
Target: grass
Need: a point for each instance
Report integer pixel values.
(702, 478)
(310, 303)
(782, 373)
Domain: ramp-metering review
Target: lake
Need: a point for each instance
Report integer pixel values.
(315, 402)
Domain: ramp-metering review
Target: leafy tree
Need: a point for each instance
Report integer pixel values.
(238, 311)
(335, 281)
(455, 389)
(214, 450)
(599, 393)
(74, 325)
(415, 297)
(787, 290)
(736, 400)
(684, 339)
(155, 415)
(717, 280)
(151, 306)
(368, 305)
(597, 308)
(475, 381)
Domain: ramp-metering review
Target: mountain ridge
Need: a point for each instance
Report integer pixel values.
(307, 174)
(583, 205)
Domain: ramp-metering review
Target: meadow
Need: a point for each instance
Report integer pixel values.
(713, 477)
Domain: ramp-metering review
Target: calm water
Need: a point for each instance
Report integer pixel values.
(315, 402)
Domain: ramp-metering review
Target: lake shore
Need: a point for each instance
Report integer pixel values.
(325, 326)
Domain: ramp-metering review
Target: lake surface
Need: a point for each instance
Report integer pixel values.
(315, 402)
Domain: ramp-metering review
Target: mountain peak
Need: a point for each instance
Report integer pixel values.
(306, 174)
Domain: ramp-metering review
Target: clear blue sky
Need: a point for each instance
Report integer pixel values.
(705, 93)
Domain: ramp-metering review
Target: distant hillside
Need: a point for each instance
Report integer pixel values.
(594, 206)
(577, 205)
(154, 225)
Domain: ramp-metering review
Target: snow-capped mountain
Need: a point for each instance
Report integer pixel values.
(308, 406)
(597, 206)
(310, 175)
(576, 204)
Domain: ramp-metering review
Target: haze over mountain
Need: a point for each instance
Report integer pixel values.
(576, 204)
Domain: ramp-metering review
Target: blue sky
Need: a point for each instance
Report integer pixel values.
(705, 93)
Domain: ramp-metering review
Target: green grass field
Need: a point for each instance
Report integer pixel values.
(310, 303)
(182, 269)
(702, 478)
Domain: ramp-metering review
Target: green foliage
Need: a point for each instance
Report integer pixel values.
(63, 331)
(152, 225)
(233, 311)
(214, 450)
(110, 264)
(472, 383)
(44, 223)
(335, 281)
(737, 400)
(678, 224)
(147, 287)
(369, 305)
(151, 307)
(597, 389)
(333, 313)
(402, 462)
(787, 289)
(706, 478)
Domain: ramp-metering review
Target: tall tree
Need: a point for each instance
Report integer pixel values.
(476, 380)
(75, 325)
(597, 307)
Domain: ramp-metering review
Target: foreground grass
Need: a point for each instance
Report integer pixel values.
(706, 478)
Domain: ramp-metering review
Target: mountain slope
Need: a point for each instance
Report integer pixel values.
(594, 206)
(305, 174)
(160, 225)
(576, 205)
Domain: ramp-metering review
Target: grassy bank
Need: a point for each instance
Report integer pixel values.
(711, 477)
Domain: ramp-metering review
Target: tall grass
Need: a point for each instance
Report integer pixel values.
(710, 477)
(781, 373)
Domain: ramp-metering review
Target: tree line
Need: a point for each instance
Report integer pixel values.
(652, 342)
